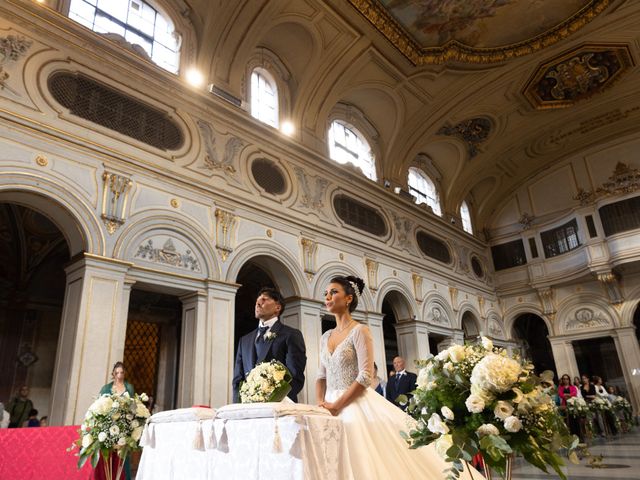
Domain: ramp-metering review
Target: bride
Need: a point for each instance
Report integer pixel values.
(372, 424)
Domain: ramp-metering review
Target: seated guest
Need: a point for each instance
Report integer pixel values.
(402, 383)
(44, 421)
(4, 417)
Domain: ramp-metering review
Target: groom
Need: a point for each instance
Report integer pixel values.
(271, 340)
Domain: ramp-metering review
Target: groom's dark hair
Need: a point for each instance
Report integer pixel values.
(274, 295)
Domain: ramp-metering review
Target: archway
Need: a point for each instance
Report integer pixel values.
(636, 321)
(470, 326)
(33, 254)
(395, 309)
(532, 333)
(152, 345)
(257, 273)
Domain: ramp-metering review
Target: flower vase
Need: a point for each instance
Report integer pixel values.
(508, 469)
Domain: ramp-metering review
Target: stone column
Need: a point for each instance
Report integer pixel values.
(220, 333)
(564, 357)
(629, 354)
(413, 342)
(92, 333)
(304, 315)
(374, 320)
(194, 369)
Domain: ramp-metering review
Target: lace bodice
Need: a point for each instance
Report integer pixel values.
(352, 360)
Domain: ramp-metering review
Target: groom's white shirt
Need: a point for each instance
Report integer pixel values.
(269, 323)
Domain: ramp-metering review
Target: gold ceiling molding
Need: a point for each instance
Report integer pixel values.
(454, 51)
(577, 74)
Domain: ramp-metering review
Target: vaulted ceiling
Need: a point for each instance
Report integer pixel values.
(489, 92)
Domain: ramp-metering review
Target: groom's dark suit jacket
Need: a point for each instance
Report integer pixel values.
(287, 347)
(401, 386)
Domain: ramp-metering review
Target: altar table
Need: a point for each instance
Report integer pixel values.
(309, 447)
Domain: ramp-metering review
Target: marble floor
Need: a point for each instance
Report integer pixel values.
(620, 461)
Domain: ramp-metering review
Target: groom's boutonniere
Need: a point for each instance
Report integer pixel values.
(270, 335)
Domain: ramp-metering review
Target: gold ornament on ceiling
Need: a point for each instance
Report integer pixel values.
(577, 75)
(434, 32)
(624, 180)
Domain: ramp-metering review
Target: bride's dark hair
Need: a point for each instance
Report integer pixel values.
(352, 286)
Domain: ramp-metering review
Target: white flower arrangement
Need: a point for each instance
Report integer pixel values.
(267, 382)
(480, 399)
(270, 336)
(577, 407)
(113, 423)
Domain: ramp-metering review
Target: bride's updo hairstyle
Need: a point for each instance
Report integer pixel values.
(352, 286)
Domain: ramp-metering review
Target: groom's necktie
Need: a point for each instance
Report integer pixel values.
(261, 332)
(261, 344)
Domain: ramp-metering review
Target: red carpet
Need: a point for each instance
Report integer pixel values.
(40, 453)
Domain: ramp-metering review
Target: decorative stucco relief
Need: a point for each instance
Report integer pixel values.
(437, 315)
(495, 329)
(173, 253)
(227, 162)
(12, 47)
(586, 318)
(312, 191)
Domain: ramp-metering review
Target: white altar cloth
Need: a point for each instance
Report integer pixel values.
(308, 447)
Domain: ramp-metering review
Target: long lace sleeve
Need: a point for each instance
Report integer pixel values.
(322, 369)
(363, 342)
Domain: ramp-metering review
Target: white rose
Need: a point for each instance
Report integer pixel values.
(487, 343)
(474, 403)
(457, 353)
(102, 436)
(519, 395)
(447, 413)
(512, 424)
(83, 427)
(483, 394)
(122, 441)
(135, 424)
(448, 366)
(503, 409)
(442, 444)
(431, 386)
(137, 433)
(144, 397)
(423, 377)
(101, 406)
(443, 356)
(87, 440)
(115, 405)
(115, 416)
(487, 429)
(141, 410)
(114, 430)
(436, 425)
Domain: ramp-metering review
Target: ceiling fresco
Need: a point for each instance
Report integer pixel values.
(480, 31)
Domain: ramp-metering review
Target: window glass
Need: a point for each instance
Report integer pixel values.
(424, 190)
(347, 145)
(264, 98)
(465, 215)
(137, 21)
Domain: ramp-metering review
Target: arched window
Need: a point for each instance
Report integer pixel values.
(465, 215)
(264, 97)
(347, 145)
(135, 20)
(421, 187)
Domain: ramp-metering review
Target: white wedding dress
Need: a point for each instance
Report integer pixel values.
(372, 423)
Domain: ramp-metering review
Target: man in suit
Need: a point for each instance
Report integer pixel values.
(401, 383)
(271, 340)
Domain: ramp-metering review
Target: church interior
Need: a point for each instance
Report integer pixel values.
(475, 163)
